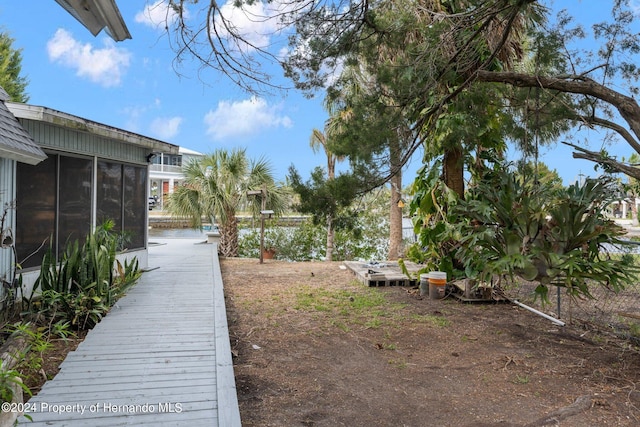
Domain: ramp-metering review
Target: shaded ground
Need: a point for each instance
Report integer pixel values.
(316, 348)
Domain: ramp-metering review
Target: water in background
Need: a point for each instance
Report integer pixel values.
(176, 233)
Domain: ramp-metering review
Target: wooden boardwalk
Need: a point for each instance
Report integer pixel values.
(161, 357)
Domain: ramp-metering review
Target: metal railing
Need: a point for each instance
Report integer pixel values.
(165, 168)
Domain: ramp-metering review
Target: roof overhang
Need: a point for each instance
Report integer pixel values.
(58, 118)
(15, 142)
(97, 15)
(22, 156)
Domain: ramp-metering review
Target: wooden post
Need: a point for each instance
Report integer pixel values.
(263, 203)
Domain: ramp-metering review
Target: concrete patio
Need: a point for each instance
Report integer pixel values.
(161, 356)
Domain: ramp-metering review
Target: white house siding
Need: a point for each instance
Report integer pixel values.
(84, 143)
(7, 196)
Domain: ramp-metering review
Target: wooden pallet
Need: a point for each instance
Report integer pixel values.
(387, 273)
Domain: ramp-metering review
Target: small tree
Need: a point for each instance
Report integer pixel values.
(319, 139)
(328, 201)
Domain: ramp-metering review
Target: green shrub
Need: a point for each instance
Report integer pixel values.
(9, 379)
(308, 241)
(511, 225)
(87, 281)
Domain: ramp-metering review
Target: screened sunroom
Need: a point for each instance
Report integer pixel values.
(93, 172)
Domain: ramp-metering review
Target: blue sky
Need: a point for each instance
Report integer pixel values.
(558, 156)
(133, 85)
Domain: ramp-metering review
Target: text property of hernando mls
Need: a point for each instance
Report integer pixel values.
(100, 407)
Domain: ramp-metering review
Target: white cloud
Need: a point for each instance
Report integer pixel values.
(133, 115)
(256, 23)
(136, 112)
(243, 118)
(166, 128)
(158, 14)
(104, 66)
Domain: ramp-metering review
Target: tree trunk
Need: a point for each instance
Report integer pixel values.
(330, 236)
(453, 170)
(395, 212)
(331, 174)
(331, 166)
(395, 218)
(228, 246)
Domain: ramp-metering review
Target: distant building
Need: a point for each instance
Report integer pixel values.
(625, 209)
(165, 173)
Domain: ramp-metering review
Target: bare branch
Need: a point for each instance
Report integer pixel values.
(608, 124)
(604, 160)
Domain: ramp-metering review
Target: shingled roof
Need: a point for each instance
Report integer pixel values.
(15, 142)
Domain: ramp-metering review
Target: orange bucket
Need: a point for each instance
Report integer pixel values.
(437, 283)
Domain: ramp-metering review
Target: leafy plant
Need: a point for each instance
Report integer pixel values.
(307, 241)
(61, 329)
(86, 283)
(512, 224)
(9, 379)
(218, 184)
(126, 276)
(30, 357)
(435, 223)
(519, 227)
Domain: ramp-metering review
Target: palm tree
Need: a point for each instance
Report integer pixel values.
(319, 139)
(216, 186)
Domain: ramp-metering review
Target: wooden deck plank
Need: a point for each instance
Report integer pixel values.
(65, 388)
(133, 355)
(118, 411)
(165, 343)
(387, 273)
(134, 364)
(127, 380)
(199, 392)
(150, 357)
(185, 397)
(205, 348)
(111, 368)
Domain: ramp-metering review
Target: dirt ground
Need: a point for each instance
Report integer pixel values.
(314, 347)
(36, 374)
